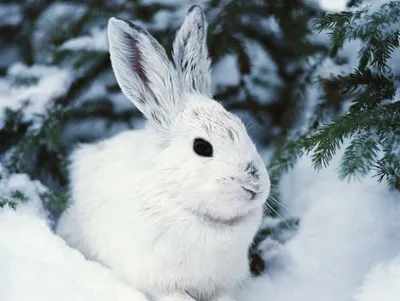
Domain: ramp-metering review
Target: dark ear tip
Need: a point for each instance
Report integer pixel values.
(135, 26)
(120, 23)
(195, 9)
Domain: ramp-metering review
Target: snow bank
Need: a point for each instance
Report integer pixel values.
(37, 265)
(382, 283)
(345, 230)
(31, 190)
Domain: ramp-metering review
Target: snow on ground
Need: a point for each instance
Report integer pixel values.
(37, 265)
(382, 283)
(346, 230)
(347, 248)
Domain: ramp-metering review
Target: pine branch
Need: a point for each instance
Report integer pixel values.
(359, 157)
(373, 30)
(328, 139)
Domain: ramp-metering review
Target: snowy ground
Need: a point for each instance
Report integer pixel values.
(347, 248)
(37, 265)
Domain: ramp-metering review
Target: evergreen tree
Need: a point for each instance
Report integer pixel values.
(369, 124)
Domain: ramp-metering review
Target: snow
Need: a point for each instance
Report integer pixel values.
(382, 283)
(41, 267)
(397, 95)
(163, 18)
(333, 5)
(10, 14)
(37, 265)
(96, 41)
(263, 68)
(350, 52)
(52, 82)
(329, 5)
(325, 68)
(165, 2)
(225, 72)
(372, 6)
(31, 189)
(166, 17)
(346, 230)
(57, 19)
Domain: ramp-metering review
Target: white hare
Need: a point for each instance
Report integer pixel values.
(171, 208)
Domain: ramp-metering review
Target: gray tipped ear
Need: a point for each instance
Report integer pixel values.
(191, 53)
(144, 72)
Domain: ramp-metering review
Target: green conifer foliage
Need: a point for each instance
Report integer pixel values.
(369, 127)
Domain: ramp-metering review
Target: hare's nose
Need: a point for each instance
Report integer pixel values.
(252, 171)
(254, 181)
(250, 186)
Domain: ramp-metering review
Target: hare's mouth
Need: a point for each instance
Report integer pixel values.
(229, 222)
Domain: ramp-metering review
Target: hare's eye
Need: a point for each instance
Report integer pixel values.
(202, 147)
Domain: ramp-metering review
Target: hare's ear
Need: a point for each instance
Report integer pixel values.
(191, 53)
(144, 72)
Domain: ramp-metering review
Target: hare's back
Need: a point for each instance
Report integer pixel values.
(99, 176)
(126, 151)
(102, 169)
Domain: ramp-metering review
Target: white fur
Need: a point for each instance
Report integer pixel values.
(168, 221)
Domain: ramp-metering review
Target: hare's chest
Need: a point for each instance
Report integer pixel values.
(202, 260)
